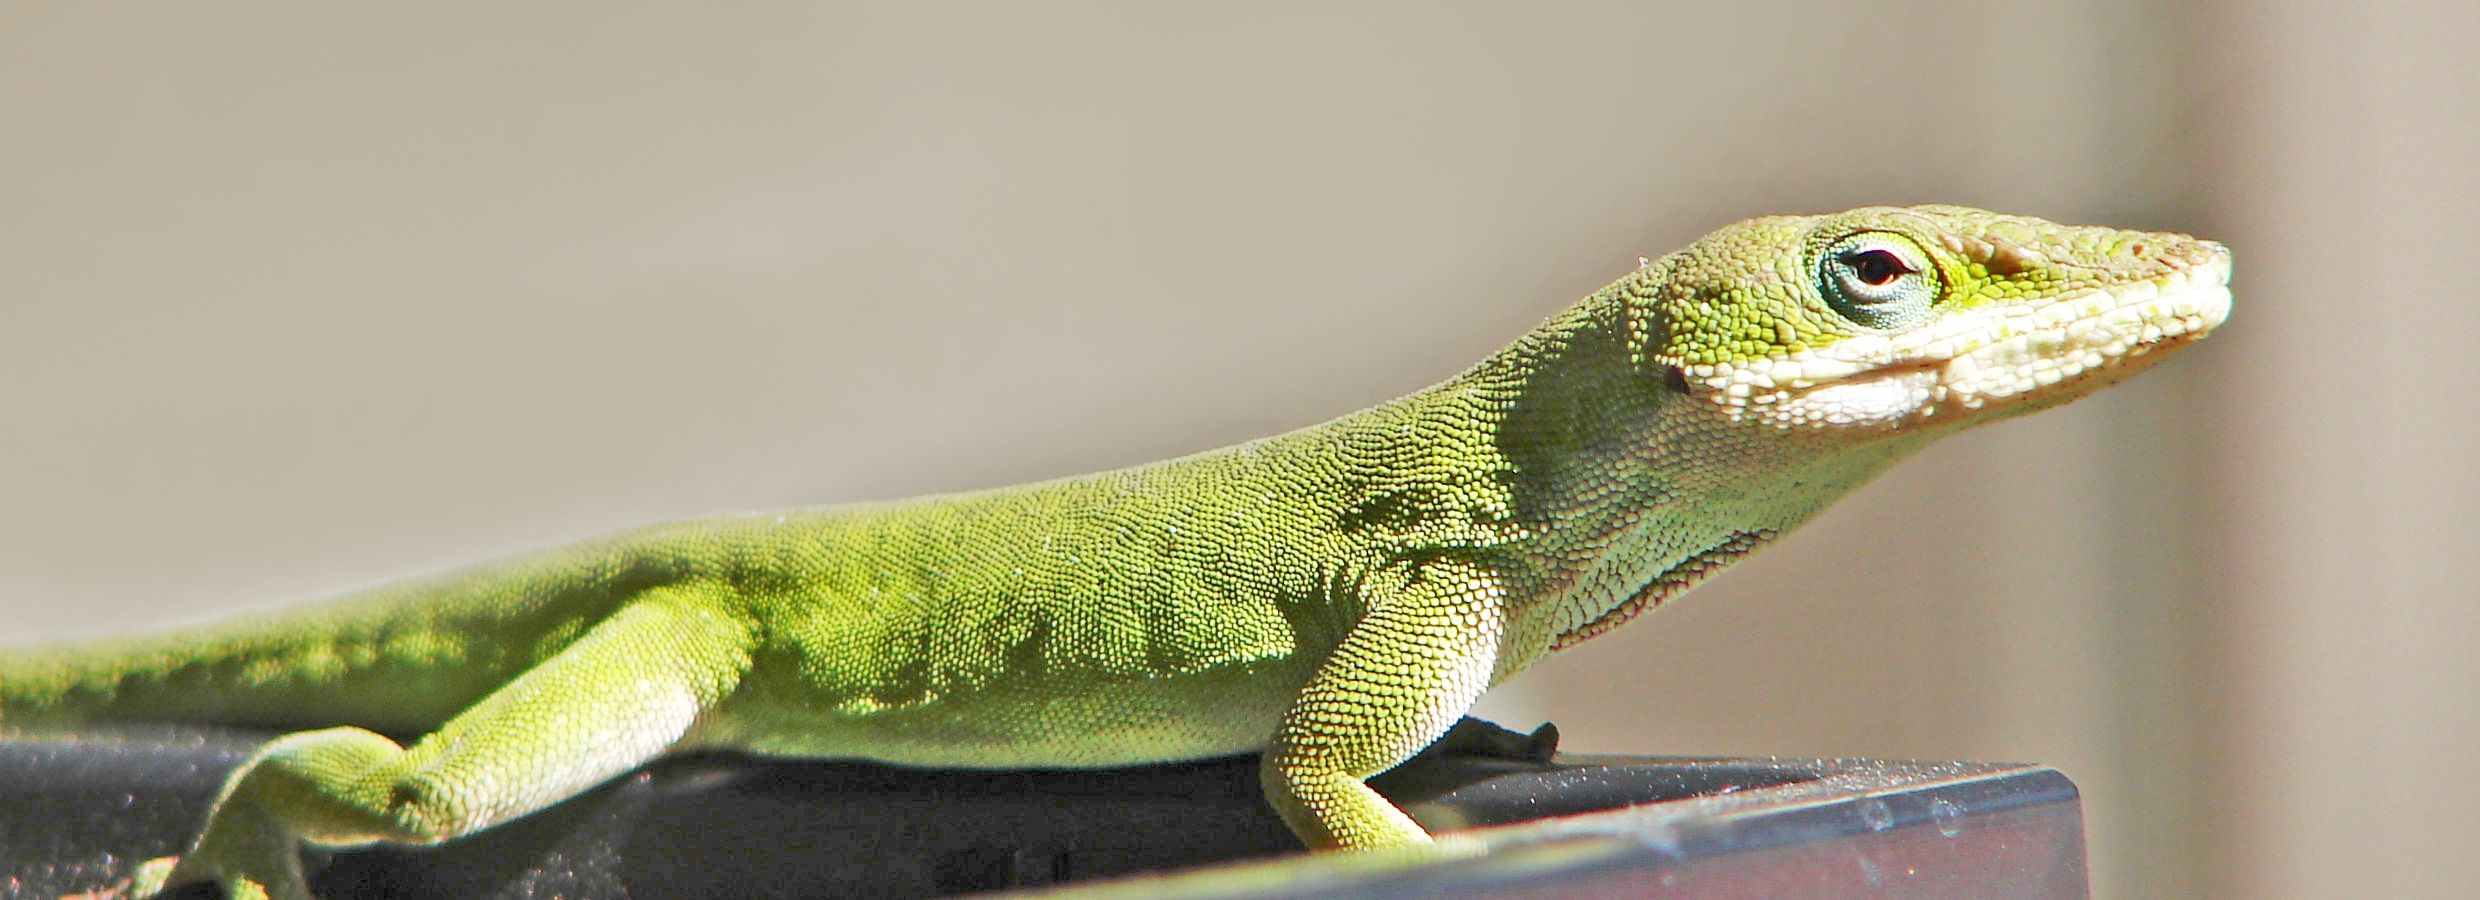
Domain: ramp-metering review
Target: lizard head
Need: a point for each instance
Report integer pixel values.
(1886, 319)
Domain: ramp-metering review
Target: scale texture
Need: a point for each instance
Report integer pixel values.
(1335, 597)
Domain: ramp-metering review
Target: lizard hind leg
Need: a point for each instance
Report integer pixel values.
(620, 695)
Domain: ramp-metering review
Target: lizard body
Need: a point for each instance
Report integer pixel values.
(1335, 596)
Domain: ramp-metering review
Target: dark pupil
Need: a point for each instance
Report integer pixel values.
(1878, 268)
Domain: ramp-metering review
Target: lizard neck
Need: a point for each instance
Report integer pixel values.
(1603, 488)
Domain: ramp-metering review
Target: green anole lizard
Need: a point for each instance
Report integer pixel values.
(1334, 597)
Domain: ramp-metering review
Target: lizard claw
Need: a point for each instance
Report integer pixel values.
(150, 879)
(156, 875)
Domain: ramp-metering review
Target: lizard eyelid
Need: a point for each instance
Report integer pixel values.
(1878, 280)
(1878, 266)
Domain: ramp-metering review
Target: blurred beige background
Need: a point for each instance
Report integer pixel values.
(293, 299)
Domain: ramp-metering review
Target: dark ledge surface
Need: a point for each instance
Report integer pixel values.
(76, 813)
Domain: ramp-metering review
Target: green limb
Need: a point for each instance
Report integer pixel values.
(1401, 677)
(627, 690)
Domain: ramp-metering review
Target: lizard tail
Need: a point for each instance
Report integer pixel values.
(287, 673)
(270, 677)
(399, 659)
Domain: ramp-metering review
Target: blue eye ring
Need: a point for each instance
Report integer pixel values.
(1878, 280)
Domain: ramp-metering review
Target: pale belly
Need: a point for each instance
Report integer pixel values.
(1126, 720)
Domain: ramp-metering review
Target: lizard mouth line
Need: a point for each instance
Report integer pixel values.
(2096, 329)
(2074, 338)
(2000, 355)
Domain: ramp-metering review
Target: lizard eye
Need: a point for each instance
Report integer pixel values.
(1877, 280)
(1878, 267)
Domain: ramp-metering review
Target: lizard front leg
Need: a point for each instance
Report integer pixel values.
(1402, 675)
(620, 695)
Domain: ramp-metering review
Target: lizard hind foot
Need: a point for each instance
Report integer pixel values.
(157, 875)
(150, 879)
(260, 863)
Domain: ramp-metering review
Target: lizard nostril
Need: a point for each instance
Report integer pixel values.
(2010, 259)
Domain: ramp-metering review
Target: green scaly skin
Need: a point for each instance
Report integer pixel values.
(1335, 597)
